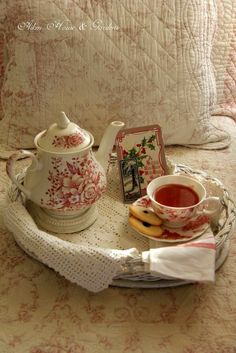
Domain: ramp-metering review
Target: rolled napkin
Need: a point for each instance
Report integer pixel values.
(192, 261)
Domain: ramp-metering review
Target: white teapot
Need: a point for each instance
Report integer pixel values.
(65, 178)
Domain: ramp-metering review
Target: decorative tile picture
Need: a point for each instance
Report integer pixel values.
(130, 179)
(141, 157)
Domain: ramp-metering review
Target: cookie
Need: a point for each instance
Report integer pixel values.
(145, 215)
(145, 228)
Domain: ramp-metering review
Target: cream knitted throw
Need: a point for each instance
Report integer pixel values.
(91, 267)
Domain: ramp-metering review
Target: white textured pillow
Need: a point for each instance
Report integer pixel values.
(152, 66)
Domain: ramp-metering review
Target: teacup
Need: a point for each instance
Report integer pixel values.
(177, 199)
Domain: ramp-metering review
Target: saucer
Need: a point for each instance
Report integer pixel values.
(196, 227)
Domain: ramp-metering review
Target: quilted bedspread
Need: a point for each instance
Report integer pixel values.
(155, 68)
(41, 312)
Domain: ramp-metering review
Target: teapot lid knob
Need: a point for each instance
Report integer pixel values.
(64, 136)
(63, 121)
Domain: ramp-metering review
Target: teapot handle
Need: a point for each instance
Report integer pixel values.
(10, 168)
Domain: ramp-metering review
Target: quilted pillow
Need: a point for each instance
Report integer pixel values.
(135, 61)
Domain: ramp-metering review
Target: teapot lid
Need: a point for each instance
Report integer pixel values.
(64, 136)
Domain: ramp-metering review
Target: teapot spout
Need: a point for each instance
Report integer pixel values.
(107, 143)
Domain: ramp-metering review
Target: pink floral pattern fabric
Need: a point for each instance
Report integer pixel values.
(224, 58)
(41, 312)
(228, 102)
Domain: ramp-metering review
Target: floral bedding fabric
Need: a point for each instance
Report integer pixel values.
(41, 312)
(140, 62)
(224, 59)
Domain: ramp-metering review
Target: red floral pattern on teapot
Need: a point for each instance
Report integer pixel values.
(65, 178)
(68, 141)
(75, 184)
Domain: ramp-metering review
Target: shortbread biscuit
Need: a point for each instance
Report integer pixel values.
(145, 215)
(145, 228)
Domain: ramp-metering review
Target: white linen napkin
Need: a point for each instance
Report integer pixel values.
(192, 261)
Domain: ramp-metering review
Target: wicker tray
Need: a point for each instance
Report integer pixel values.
(132, 273)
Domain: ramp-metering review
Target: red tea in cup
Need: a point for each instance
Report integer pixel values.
(176, 195)
(177, 199)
